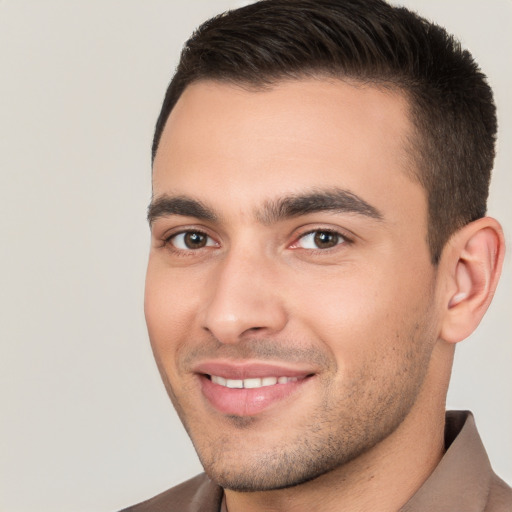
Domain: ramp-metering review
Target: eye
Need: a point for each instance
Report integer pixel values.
(320, 239)
(191, 240)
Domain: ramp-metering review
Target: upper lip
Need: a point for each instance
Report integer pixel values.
(249, 369)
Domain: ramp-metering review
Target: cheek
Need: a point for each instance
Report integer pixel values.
(167, 309)
(360, 312)
(342, 303)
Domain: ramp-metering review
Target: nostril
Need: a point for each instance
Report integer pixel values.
(229, 319)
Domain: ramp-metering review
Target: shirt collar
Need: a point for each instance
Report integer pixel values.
(461, 480)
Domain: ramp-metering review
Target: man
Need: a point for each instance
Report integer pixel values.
(319, 246)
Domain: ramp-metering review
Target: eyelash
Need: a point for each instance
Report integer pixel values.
(167, 242)
(343, 239)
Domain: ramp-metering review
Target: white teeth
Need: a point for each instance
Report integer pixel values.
(251, 383)
(234, 383)
(219, 380)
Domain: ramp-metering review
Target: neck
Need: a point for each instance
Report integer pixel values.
(384, 478)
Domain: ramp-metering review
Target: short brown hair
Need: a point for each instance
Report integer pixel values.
(451, 103)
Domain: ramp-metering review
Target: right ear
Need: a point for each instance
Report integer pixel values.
(472, 266)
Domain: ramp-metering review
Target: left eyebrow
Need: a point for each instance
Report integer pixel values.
(179, 205)
(332, 200)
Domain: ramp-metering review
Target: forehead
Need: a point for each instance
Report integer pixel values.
(223, 141)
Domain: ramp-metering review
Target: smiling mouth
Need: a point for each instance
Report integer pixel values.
(248, 388)
(249, 396)
(252, 383)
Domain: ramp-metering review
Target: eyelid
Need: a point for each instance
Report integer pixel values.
(172, 240)
(346, 237)
(167, 237)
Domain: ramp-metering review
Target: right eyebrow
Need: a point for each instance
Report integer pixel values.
(166, 205)
(333, 200)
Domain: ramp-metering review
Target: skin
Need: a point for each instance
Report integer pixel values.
(364, 318)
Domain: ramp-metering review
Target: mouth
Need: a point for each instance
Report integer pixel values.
(252, 383)
(249, 389)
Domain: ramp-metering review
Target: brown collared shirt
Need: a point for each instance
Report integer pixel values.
(462, 482)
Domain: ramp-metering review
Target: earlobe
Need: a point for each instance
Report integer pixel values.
(472, 264)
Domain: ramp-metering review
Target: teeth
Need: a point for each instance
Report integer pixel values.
(268, 381)
(219, 380)
(233, 383)
(251, 383)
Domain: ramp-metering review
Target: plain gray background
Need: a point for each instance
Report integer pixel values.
(85, 423)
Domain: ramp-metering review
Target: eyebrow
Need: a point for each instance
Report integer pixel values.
(166, 205)
(273, 211)
(333, 200)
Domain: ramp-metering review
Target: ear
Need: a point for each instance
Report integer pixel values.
(471, 264)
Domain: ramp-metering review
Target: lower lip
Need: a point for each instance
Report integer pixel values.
(247, 402)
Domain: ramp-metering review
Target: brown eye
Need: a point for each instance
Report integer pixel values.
(326, 239)
(190, 240)
(194, 240)
(320, 240)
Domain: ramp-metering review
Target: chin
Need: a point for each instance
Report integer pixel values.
(278, 469)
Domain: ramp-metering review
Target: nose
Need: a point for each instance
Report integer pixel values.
(244, 298)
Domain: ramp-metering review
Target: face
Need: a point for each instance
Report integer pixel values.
(289, 295)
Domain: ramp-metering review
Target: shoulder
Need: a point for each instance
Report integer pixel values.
(500, 496)
(199, 494)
